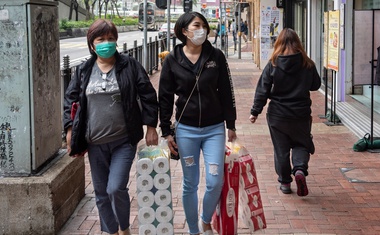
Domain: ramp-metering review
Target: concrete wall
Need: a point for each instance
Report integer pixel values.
(42, 204)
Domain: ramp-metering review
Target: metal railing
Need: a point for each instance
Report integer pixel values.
(153, 47)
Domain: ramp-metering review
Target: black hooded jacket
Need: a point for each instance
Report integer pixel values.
(213, 100)
(134, 85)
(288, 86)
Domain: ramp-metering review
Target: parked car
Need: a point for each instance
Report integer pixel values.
(164, 30)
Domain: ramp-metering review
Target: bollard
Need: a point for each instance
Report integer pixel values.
(124, 47)
(66, 72)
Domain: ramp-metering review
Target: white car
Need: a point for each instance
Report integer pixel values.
(164, 30)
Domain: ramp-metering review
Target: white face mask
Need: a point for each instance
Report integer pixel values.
(199, 36)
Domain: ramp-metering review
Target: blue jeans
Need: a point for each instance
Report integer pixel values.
(212, 141)
(110, 167)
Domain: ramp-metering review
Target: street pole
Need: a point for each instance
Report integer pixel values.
(239, 24)
(145, 42)
(168, 31)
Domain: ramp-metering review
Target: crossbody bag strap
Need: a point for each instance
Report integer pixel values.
(192, 91)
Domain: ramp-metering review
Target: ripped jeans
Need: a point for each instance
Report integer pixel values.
(212, 141)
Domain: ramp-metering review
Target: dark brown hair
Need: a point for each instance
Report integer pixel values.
(184, 21)
(99, 28)
(288, 40)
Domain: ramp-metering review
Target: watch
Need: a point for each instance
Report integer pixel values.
(232, 129)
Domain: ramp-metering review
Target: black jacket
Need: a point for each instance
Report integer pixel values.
(288, 86)
(213, 100)
(133, 82)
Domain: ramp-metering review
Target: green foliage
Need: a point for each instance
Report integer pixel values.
(66, 24)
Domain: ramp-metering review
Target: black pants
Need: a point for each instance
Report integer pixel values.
(290, 136)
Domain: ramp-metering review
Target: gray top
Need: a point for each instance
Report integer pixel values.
(105, 120)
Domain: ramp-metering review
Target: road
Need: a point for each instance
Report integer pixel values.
(77, 50)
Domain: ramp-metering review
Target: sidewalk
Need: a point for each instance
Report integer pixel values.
(344, 186)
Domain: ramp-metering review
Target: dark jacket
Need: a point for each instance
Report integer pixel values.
(133, 82)
(288, 86)
(213, 100)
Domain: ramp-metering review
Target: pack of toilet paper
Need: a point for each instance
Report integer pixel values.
(154, 196)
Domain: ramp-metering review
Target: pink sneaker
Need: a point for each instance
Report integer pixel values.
(301, 184)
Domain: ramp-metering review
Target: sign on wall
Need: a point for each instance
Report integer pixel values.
(270, 27)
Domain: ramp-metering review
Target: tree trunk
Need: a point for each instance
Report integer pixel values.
(71, 9)
(87, 5)
(117, 10)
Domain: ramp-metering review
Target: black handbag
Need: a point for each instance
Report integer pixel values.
(172, 156)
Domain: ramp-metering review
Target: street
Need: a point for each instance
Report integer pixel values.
(77, 49)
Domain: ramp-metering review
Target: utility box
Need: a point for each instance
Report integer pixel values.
(30, 103)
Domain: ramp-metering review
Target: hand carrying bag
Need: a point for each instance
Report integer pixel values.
(225, 218)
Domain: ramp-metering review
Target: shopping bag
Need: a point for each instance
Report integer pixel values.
(225, 218)
(251, 206)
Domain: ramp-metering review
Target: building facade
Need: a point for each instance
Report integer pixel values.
(342, 37)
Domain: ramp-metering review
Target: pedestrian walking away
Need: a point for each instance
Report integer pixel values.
(198, 74)
(114, 98)
(216, 34)
(287, 80)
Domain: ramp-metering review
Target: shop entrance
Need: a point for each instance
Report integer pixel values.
(296, 18)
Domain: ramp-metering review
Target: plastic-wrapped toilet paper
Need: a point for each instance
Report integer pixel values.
(146, 215)
(161, 181)
(144, 166)
(163, 197)
(144, 183)
(147, 229)
(165, 229)
(161, 165)
(145, 199)
(164, 214)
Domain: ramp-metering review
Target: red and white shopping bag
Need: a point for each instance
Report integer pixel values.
(225, 218)
(251, 206)
(240, 189)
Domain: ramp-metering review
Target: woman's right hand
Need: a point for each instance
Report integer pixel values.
(172, 144)
(68, 143)
(252, 118)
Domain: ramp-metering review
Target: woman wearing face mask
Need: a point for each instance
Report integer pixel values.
(109, 121)
(198, 74)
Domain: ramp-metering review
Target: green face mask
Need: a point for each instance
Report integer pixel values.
(105, 49)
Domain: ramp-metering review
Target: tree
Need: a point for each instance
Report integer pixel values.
(74, 6)
(87, 6)
(114, 3)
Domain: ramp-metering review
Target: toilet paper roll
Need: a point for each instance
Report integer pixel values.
(163, 197)
(161, 181)
(144, 166)
(144, 183)
(146, 215)
(161, 165)
(164, 214)
(165, 229)
(147, 229)
(145, 199)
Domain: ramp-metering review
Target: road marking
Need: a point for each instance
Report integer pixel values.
(73, 45)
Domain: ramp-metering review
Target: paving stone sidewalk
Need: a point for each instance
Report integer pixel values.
(344, 186)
